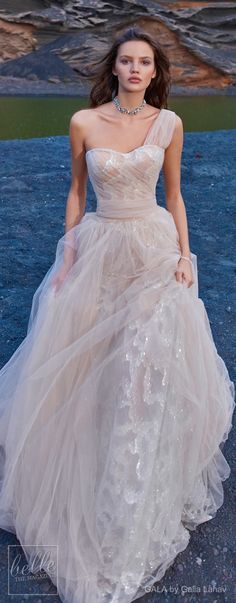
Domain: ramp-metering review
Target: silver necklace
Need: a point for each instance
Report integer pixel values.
(116, 102)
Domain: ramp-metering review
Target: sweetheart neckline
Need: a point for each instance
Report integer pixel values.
(133, 150)
(121, 152)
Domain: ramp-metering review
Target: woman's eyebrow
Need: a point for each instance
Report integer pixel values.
(129, 57)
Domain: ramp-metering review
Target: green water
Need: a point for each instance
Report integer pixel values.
(29, 117)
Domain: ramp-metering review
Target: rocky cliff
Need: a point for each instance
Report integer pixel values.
(47, 45)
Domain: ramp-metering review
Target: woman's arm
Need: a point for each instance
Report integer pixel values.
(76, 200)
(174, 200)
(172, 177)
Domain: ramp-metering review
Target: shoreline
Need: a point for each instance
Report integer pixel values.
(19, 87)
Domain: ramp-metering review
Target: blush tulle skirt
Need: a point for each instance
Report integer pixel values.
(113, 413)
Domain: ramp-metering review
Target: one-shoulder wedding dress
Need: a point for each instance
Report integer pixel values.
(115, 407)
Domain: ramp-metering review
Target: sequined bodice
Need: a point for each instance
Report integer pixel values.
(125, 183)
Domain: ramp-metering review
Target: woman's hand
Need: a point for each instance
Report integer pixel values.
(184, 272)
(59, 277)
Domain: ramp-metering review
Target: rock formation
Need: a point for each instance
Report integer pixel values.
(52, 41)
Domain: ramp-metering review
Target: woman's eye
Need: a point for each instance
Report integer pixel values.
(126, 61)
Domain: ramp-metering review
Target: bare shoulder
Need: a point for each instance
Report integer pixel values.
(79, 119)
(79, 124)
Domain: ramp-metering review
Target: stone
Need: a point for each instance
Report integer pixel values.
(68, 35)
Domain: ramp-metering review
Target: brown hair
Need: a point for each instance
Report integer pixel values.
(106, 83)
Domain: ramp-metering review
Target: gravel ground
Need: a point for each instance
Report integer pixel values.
(35, 179)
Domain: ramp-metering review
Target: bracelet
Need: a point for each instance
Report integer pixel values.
(184, 257)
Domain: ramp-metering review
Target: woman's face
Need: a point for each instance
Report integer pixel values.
(134, 59)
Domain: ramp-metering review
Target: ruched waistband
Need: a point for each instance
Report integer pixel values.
(127, 214)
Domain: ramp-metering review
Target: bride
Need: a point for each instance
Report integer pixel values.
(115, 407)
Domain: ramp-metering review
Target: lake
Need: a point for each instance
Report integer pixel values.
(29, 117)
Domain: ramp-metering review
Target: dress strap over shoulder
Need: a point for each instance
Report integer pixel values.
(163, 128)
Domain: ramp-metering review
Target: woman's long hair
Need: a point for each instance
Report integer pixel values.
(106, 83)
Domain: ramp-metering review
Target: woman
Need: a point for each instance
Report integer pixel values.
(115, 407)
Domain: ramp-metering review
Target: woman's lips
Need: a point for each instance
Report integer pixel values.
(134, 80)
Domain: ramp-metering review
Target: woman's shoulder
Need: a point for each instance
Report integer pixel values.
(170, 127)
(79, 123)
(171, 113)
(81, 116)
(88, 112)
(173, 118)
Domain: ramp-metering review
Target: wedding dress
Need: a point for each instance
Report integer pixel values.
(115, 407)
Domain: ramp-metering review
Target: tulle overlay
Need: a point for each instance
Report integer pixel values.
(113, 411)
